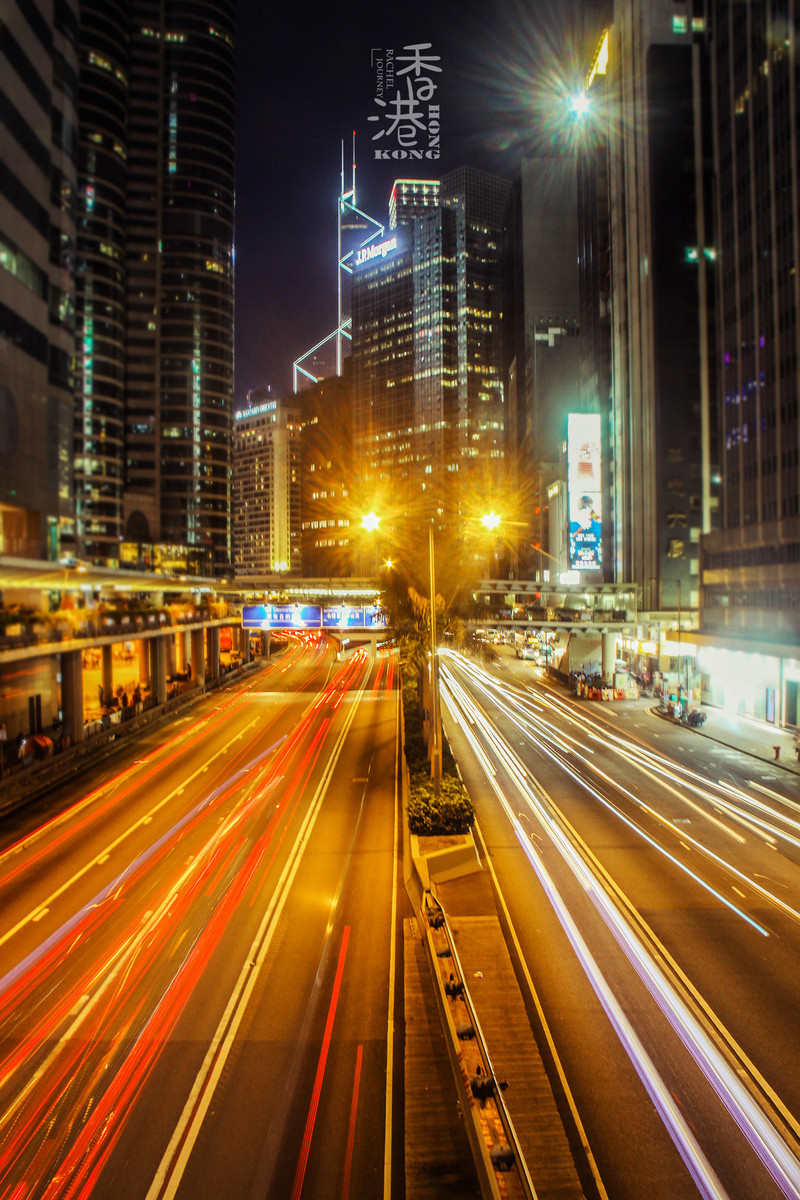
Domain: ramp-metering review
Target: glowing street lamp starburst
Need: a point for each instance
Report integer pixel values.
(579, 103)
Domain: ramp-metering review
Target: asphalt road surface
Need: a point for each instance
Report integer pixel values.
(655, 892)
(197, 952)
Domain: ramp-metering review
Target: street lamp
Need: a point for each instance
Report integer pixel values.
(436, 712)
(579, 103)
(490, 521)
(371, 522)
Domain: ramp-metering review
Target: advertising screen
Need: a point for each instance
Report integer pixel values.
(584, 490)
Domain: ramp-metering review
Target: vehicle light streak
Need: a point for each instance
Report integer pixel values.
(175, 746)
(308, 1132)
(518, 769)
(173, 1163)
(351, 1128)
(744, 1111)
(661, 772)
(113, 802)
(94, 1034)
(643, 759)
(53, 945)
(696, 1162)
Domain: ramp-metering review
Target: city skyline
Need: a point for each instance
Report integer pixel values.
(526, 572)
(498, 64)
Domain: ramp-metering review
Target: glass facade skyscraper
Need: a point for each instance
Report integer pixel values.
(427, 349)
(267, 486)
(154, 427)
(382, 361)
(180, 272)
(458, 345)
(38, 171)
(751, 564)
(100, 279)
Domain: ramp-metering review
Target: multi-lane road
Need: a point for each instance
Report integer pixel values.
(196, 952)
(197, 943)
(656, 900)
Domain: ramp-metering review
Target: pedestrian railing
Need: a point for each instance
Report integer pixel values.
(23, 782)
(502, 1170)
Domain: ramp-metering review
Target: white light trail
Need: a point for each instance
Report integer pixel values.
(755, 1126)
(664, 773)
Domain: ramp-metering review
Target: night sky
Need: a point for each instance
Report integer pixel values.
(306, 82)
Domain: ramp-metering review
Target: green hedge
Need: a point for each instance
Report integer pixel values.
(431, 815)
(449, 813)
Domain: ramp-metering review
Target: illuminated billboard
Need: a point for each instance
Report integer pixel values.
(376, 250)
(584, 491)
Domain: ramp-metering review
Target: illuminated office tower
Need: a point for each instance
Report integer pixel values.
(330, 510)
(155, 295)
(410, 198)
(100, 281)
(382, 363)
(646, 262)
(751, 564)
(459, 417)
(427, 348)
(266, 509)
(38, 171)
(179, 330)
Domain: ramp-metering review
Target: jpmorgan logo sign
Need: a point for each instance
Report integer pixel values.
(376, 250)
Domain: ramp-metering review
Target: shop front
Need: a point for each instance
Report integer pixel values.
(762, 686)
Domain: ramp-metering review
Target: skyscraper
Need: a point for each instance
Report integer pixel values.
(100, 279)
(653, 155)
(751, 565)
(427, 349)
(330, 506)
(382, 362)
(156, 290)
(458, 348)
(180, 270)
(38, 161)
(411, 197)
(267, 480)
(540, 314)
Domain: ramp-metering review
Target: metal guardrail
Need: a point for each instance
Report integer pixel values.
(502, 1170)
(20, 785)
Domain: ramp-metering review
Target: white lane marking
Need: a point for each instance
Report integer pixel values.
(387, 1128)
(176, 1156)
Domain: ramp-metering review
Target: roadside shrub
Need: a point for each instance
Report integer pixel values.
(449, 813)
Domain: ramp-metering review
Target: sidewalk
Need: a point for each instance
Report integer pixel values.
(744, 734)
(756, 738)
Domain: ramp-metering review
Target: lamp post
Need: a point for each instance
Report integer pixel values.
(489, 521)
(436, 714)
(680, 654)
